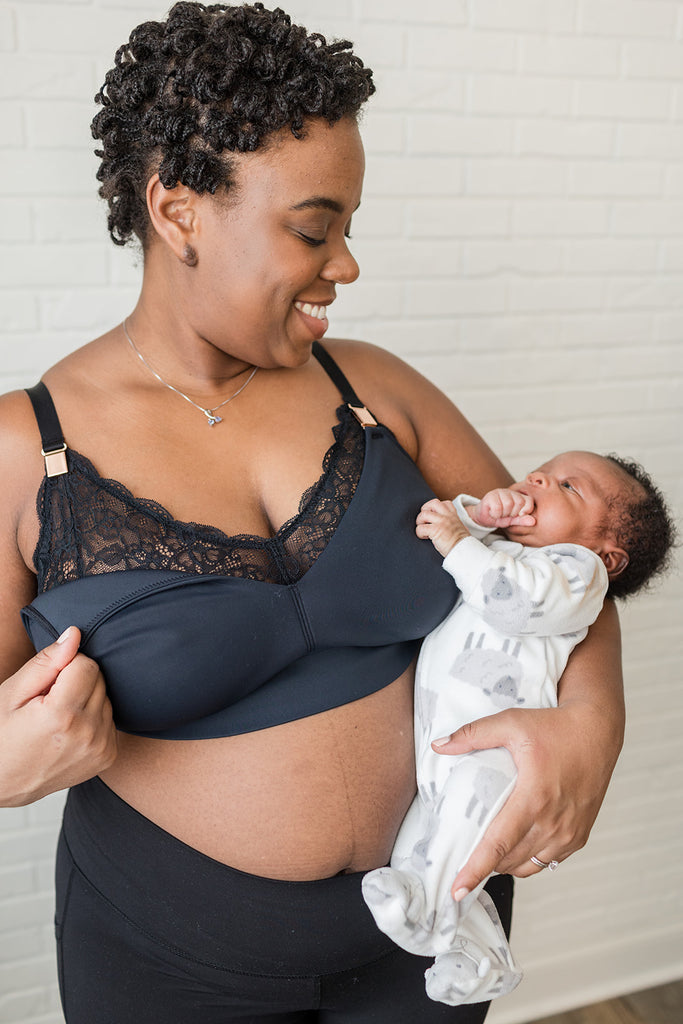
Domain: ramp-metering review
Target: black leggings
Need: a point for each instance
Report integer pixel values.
(153, 931)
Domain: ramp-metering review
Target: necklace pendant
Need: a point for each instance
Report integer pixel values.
(213, 419)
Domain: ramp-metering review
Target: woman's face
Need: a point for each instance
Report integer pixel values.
(270, 257)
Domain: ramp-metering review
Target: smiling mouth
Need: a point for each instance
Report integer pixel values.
(319, 312)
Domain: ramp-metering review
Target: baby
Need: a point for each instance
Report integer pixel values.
(580, 527)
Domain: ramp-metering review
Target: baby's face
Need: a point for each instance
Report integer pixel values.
(571, 495)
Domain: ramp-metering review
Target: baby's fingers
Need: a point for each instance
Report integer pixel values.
(505, 521)
(424, 530)
(527, 505)
(514, 503)
(493, 505)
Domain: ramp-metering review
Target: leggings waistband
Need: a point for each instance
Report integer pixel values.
(176, 894)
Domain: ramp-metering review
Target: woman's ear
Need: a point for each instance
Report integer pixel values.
(615, 560)
(173, 214)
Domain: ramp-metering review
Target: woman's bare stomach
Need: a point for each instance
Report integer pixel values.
(300, 801)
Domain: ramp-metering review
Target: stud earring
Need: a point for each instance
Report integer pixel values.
(189, 257)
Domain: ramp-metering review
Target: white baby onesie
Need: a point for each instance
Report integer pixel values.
(505, 644)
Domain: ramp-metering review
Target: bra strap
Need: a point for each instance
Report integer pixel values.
(52, 439)
(339, 379)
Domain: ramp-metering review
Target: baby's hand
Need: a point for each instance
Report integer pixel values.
(439, 522)
(503, 507)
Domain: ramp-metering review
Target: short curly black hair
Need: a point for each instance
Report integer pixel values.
(211, 79)
(643, 526)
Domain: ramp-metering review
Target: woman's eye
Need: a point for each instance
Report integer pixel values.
(311, 241)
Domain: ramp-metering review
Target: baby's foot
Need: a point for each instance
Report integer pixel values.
(396, 900)
(469, 976)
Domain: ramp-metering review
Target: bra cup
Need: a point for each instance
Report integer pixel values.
(188, 650)
(194, 656)
(174, 648)
(393, 586)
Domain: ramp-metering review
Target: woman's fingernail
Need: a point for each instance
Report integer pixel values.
(62, 638)
(441, 742)
(460, 894)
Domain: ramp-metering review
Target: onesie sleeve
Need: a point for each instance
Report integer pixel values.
(461, 504)
(529, 591)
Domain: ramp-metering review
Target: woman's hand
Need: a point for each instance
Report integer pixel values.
(564, 757)
(557, 796)
(56, 727)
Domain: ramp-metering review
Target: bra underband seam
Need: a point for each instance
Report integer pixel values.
(303, 618)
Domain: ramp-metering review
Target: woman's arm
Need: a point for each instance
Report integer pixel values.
(55, 720)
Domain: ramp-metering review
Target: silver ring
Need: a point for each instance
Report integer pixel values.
(552, 865)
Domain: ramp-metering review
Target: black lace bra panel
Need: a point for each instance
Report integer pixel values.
(90, 525)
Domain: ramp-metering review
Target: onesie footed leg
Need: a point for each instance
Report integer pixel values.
(397, 902)
(469, 975)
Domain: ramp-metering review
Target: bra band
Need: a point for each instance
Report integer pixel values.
(53, 446)
(52, 438)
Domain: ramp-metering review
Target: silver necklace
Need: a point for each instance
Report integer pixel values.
(210, 414)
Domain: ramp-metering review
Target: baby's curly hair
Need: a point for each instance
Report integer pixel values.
(209, 79)
(643, 527)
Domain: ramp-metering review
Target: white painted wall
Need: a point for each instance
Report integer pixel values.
(521, 241)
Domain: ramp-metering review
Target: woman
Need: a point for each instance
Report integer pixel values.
(260, 668)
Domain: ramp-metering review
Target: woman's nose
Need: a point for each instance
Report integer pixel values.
(341, 268)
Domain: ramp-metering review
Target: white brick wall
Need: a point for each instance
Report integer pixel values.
(521, 242)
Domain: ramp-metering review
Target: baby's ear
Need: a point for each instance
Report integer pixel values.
(615, 560)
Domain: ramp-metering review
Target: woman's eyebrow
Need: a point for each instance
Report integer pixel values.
(320, 203)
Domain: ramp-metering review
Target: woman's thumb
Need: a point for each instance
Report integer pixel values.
(472, 736)
(37, 676)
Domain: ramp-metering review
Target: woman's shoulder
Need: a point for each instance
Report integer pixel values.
(19, 432)
(20, 444)
(21, 464)
(449, 452)
(395, 392)
(367, 358)
(382, 372)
